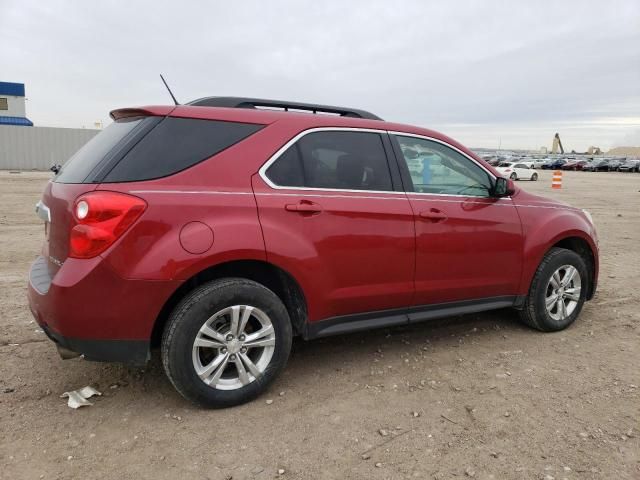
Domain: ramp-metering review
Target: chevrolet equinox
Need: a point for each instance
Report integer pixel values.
(220, 229)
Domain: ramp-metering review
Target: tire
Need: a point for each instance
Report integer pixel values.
(534, 177)
(535, 313)
(513, 176)
(215, 304)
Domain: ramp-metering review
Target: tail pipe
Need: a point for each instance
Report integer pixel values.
(65, 353)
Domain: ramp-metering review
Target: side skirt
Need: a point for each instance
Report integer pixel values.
(404, 316)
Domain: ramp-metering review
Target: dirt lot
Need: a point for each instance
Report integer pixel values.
(477, 396)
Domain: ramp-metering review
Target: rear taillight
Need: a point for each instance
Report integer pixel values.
(101, 218)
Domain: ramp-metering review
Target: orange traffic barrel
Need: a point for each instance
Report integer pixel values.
(556, 180)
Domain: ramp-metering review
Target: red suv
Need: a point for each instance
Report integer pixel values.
(220, 229)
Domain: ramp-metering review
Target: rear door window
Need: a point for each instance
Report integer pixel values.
(176, 144)
(287, 169)
(343, 160)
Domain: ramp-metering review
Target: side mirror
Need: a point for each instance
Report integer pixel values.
(503, 187)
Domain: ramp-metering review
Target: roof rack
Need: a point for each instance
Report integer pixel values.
(240, 102)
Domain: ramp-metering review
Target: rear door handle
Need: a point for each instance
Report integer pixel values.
(303, 207)
(434, 215)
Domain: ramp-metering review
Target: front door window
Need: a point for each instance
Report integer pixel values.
(438, 169)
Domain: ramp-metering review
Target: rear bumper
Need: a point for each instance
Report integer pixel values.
(88, 309)
(134, 352)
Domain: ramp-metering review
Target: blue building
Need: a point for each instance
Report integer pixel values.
(12, 105)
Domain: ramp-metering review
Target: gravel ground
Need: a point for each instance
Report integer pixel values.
(475, 396)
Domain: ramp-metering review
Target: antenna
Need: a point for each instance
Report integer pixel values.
(170, 92)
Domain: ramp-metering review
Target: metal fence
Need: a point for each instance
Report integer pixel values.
(37, 148)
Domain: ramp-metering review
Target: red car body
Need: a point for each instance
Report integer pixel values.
(348, 253)
(575, 165)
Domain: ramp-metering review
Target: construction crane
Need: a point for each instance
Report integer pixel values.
(557, 144)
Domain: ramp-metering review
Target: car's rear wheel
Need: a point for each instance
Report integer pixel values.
(534, 177)
(513, 176)
(226, 342)
(558, 291)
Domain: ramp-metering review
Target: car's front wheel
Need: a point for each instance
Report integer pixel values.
(534, 177)
(513, 176)
(225, 342)
(558, 291)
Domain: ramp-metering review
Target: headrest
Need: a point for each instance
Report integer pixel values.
(350, 171)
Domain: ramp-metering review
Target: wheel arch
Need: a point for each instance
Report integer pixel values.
(580, 246)
(576, 241)
(282, 283)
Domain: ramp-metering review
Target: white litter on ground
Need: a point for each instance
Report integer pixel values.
(78, 398)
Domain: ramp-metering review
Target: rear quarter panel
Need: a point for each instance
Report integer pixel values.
(153, 250)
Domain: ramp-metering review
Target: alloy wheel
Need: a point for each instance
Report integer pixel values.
(233, 347)
(563, 292)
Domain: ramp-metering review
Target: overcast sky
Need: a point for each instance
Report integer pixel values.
(485, 72)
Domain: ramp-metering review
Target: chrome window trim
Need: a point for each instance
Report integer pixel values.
(263, 170)
(320, 194)
(281, 150)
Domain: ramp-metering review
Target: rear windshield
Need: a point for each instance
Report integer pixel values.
(85, 160)
(136, 149)
(175, 144)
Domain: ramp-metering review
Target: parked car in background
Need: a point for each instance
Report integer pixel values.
(517, 171)
(596, 165)
(554, 164)
(218, 230)
(631, 165)
(615, 163)
(575, 164)
(547, 165)
(601, 165)
(525, 161)
(538, 162)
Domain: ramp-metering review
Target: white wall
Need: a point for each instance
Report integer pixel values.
(16, 107)
(37, 148)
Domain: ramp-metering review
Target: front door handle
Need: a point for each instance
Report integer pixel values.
(434, 215)
(303, 207)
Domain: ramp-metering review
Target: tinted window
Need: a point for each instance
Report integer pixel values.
(287, 169)
(337, 160)
(78, 167)
(175, 144)
(436, 168)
